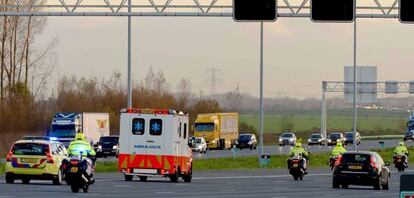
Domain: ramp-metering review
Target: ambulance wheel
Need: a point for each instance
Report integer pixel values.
(128, 177)
(143, 178)
(174, 177)
(187, 178)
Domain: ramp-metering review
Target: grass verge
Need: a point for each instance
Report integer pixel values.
(1, 168)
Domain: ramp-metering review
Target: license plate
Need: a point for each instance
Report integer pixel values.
(74, 169)
(28, 160)
(355, 167)
(107, 152)
(399, 160)
(295, 165)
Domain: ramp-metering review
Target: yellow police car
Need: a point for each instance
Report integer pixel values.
(35, 159)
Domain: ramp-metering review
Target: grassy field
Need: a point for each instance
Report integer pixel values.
(370, 122)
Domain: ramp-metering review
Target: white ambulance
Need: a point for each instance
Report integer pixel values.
(154, 142)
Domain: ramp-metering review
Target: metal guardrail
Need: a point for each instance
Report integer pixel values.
(383, 137)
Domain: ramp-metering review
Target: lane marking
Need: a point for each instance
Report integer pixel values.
(256, 177)
(167, 192)
(125, 185)
(332, 195)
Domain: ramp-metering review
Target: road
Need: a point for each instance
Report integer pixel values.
(276, 150)
(246, 183)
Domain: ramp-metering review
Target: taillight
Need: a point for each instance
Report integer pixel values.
(10, 154)
(74, 162)
(49, 156)
(372, 162)
(338, 161)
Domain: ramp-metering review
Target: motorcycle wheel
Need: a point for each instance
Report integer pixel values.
(74, 188)
(301, 178)
(295, 177)
(85, 188)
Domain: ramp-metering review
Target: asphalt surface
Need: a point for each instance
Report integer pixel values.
(246, 183)
(276, 150)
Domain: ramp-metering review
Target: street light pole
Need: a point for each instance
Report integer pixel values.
(355, 86)
(261, 125)
(129, 97)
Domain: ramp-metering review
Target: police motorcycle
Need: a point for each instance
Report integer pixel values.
(399, 162)
(79, 172)
(296, 167)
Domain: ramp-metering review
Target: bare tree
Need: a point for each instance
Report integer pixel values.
(183, 94)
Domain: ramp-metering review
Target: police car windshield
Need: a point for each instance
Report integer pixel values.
(58, 130)
(287, 135)
(316, 136)
(29, 149)
(198, 140)
(349, 134)
(203, 127)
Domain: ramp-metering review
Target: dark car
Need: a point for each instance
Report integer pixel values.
(334, 138)
(409, 136)
(361, 168)
(318, 139)
(349, 138)
(247, 141)
(108, 146)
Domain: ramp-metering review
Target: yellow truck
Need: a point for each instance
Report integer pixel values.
(220, 130)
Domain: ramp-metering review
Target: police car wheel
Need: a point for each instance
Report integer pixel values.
(9, 179)
(143, 178)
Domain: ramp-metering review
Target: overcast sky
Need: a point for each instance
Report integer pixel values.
(299, 54)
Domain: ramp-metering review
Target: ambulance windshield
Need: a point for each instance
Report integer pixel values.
(204, 127)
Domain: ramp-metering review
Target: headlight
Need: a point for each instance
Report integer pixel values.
(329, 140)
(280, 139)
(214, 141)
(99, 147)
(115, 147)
(309, 140)
(319, 140)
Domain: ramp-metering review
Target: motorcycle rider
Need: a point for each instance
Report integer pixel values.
(336, 152)
(81, 146)
(402, 150)
(298, 150)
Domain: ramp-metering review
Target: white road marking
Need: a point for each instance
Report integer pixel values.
(121, 185)
(255, 177)
(332, 195)
(168, 192)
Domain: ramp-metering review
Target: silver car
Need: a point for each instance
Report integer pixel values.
(200, 145)
(287, 139)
